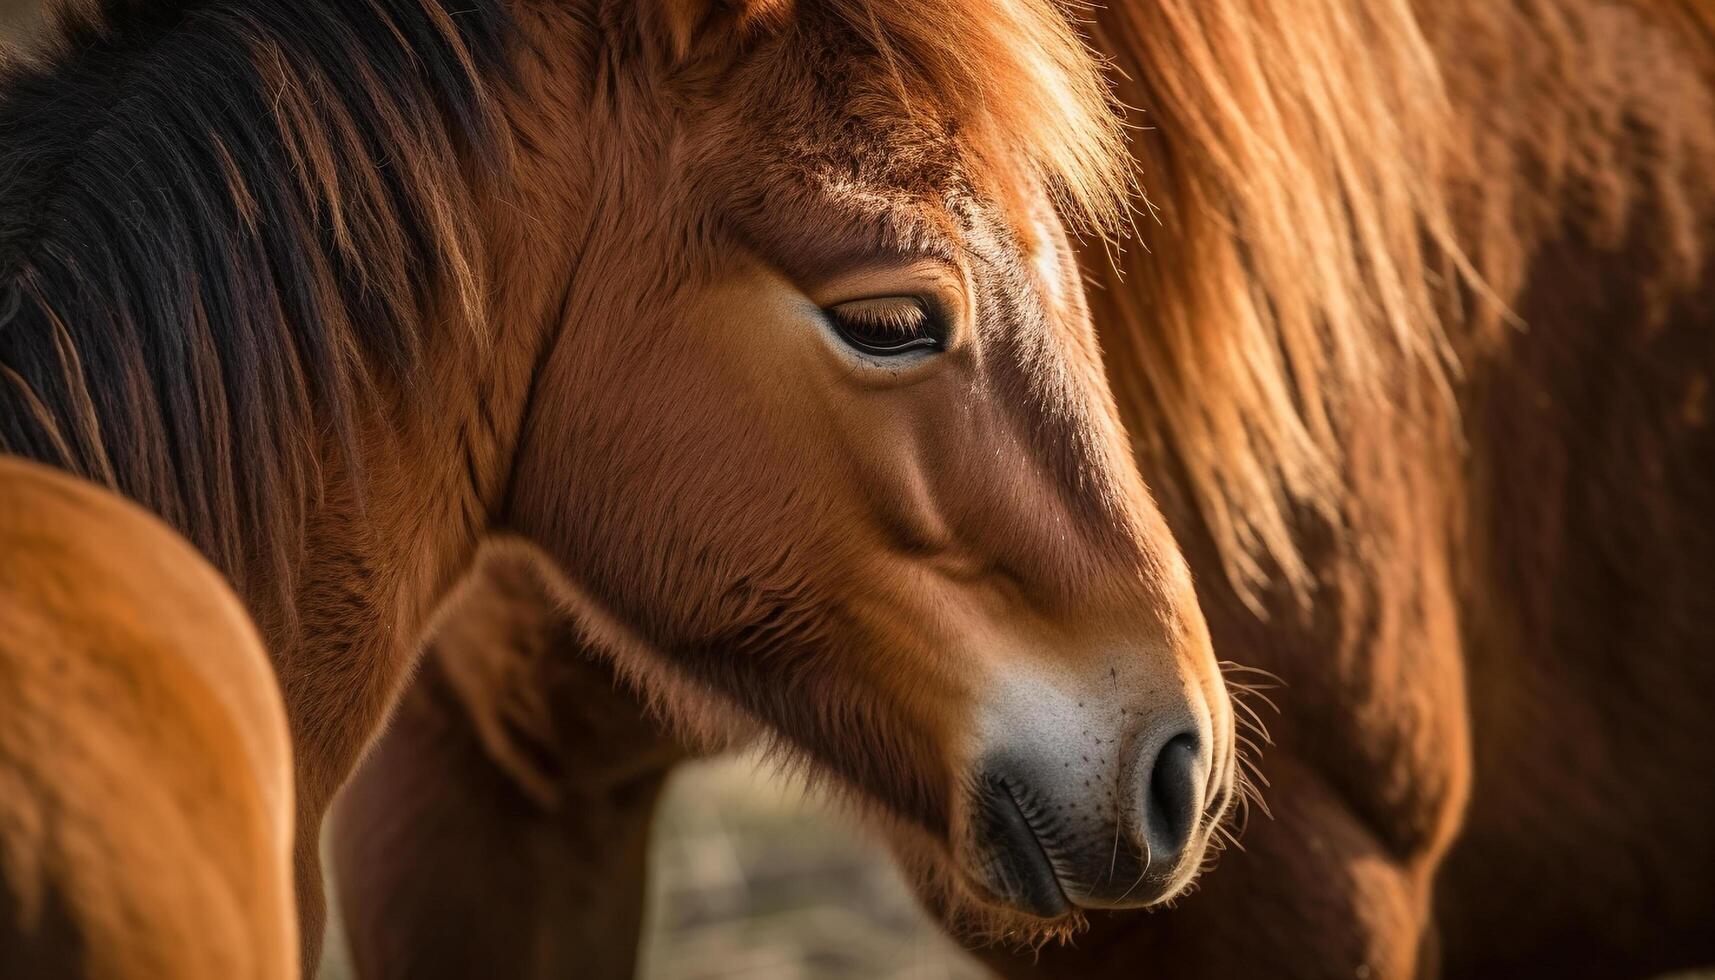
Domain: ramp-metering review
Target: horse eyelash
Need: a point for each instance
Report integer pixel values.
(888, 327)
(906, 317)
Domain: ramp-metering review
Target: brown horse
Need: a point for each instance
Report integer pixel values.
(1418, 362)
(757, 318)
(145, 777)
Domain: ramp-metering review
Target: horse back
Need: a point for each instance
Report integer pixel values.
(1588, 557)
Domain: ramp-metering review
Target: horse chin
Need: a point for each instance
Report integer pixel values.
(973, 915)
(1030, 922)
(1003, 926)
(968, 909)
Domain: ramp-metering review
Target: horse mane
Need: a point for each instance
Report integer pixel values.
(1297, 228)
(217, 220)
(1346, 196)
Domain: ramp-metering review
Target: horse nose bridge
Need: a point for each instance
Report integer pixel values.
(1123, 560)
(1117, 632)
(1129, 615)
(1107, 578)
(1141, 589)
(1077, 518)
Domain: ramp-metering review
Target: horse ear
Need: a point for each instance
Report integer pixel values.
(685, 28)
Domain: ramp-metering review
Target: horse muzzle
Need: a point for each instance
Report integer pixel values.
(1083, 803)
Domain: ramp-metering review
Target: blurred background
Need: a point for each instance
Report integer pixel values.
(752, 877)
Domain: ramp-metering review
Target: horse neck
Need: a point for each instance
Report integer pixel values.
(402, 474)
(394, 532)
(381, 547)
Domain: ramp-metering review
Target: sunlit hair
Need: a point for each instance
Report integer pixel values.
(1290, 150)
(1022, 85)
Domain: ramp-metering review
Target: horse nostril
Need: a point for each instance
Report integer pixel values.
(1172, 800)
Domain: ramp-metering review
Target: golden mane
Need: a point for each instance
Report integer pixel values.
(1296, 226)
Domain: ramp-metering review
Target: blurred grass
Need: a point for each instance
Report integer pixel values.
(752, 878)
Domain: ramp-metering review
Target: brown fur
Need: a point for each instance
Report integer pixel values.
(347, 287)
(145, 789)
(1418, 362)
(514, 777)
(27, 26)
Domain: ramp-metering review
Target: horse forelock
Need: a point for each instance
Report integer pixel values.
(1014, 82)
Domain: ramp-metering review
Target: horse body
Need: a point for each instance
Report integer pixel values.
(1490, 755)
(1585, 574)
(145, 793)
(336, 330)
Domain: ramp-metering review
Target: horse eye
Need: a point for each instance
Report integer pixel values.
(889, 326)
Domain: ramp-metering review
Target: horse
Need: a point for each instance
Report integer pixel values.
(1415, 353)
(760, 320)
(145, 776)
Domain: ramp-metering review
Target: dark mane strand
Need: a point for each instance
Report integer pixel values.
(218, 221)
